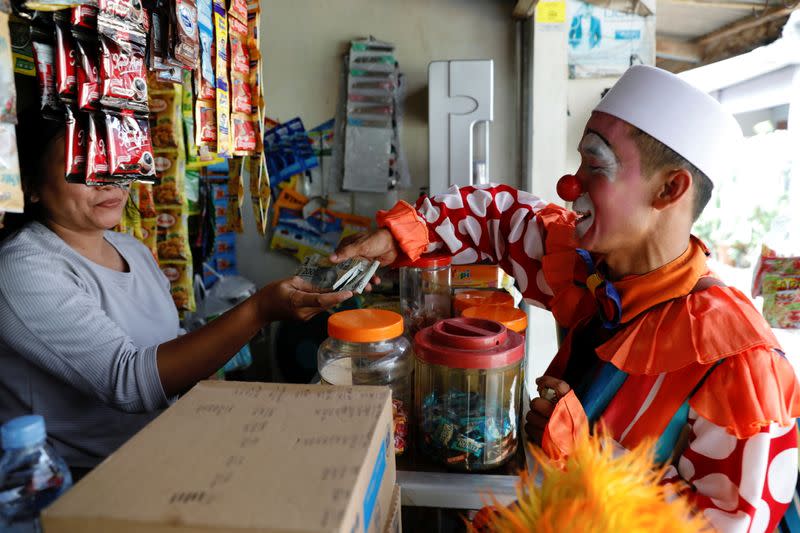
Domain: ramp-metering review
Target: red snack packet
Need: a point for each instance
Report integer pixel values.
(130, 150)
(241, 96)
(238, 10)
(204, 90)
(75, 146)
(43, 56)
(88, 77)
(205, 122)
(96, 156)
(240, 54)
(127, 12)
(65, 60)
(122, 71)
(84, 17)
(244, 134)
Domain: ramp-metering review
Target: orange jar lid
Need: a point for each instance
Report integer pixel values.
(365, 325)
(465, 299)
(511, 317)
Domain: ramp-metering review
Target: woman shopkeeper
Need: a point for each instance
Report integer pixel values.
(89, 334)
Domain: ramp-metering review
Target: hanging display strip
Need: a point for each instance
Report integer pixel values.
(97, 63)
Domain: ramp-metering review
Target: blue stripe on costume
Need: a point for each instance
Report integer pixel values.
(601, 391)
(669, 438)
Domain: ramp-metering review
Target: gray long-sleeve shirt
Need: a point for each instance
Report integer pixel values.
(78, 341)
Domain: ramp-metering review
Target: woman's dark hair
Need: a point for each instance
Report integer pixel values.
(35, 135)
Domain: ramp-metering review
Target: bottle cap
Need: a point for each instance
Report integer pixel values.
(511, 317)
(472, 298)
(365, 325)
(23, 432)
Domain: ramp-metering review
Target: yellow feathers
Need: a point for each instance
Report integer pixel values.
(599, 489)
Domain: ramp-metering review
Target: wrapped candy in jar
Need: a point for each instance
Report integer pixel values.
(367, 347)
(467, 392)
(474, 298)
(511, 317)
(424, 291)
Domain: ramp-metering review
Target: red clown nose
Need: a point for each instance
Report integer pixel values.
(568, 188)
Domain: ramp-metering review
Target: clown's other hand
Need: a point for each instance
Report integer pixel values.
(377, 245)
(550, 391)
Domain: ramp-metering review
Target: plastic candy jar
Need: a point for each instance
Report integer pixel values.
(467, 392)
(367, 347)
(424, 291)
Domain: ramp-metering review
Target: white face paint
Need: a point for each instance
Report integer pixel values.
(603, 160)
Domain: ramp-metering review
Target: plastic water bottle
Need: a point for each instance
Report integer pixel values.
(32, 476)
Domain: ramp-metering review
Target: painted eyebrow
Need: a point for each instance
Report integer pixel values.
(594, 152)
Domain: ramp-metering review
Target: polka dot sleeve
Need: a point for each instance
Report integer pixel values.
(739, 484)
(490, 223)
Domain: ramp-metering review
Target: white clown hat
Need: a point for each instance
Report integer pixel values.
(678, 114)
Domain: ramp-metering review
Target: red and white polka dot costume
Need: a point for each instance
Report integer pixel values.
(740, 461)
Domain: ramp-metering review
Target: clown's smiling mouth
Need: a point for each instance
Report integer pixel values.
(583, 216)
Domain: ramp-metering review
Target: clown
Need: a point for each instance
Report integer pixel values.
(655, 346)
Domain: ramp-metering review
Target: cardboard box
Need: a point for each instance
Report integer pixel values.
(245, 457)
(394, 523)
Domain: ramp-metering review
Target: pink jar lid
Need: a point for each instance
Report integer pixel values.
(469, 343)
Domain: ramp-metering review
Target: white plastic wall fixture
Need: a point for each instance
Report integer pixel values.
(460, 95)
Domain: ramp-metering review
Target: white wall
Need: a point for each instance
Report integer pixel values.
(302, 43)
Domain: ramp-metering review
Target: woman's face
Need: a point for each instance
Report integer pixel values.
(76, 206)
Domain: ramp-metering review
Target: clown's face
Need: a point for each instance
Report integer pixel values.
(615, 207)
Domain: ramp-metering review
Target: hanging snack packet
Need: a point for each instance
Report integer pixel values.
(240, 54)
(222, 85)
(156, 38)
(122, 69)
(203, 89)
(88, 77)
(187, 45)
(165, 116)
(169, 191)
(172, 236)
(244, 134)
(206, 123)
(127, 14)
(66, 53)
(238, 10)
(84, 17)
(147, 206)
(96, 155)
(205, 25)
(241, 96)
(150, 235)
(130, 150)
(44, 58)
(233, 210)
(180, 282)
(75, 146)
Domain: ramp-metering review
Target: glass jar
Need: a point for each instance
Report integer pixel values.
(467, 392)
(473, 298)
(511, 317)
(425, 291)
(367, 347)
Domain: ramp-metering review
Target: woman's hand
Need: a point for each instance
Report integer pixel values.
(550, 391)
(376, 245)
(295, 298)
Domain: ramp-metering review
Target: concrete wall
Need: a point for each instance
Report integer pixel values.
(303, 41)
